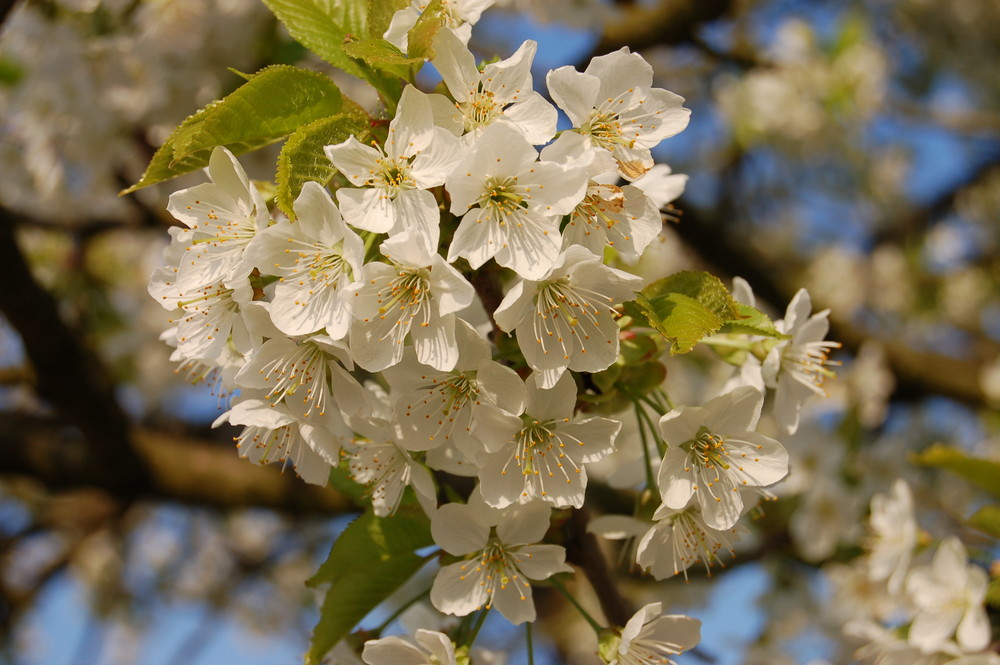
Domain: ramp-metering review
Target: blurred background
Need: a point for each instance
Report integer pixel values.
(850, 147)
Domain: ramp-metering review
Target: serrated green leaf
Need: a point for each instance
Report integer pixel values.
(382, 56)
(681, 319)
(323, 26)
(369, 538)
(352, 597)
(685, 307)
(372, 558)
(705, 288)
(752, 321)
(302, 158)
(987, 520)
(982, 472)
(380, 13)
(274, 103)
(420, 39)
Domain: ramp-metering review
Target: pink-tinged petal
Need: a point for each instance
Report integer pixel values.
(459, 589)
(367, 208)
(573, 92)
(357, 161)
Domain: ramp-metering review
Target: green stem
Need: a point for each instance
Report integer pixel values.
(527, 637)
(662, 394)
(371, 238)
(647, 458)
(579, 608)
(480, 620)
(402, 608)
(643, 416)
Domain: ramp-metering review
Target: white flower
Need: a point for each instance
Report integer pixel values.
(208, 316)
(431, 648)
(894, 536)
(305, 375)
(542, 452)
(276, 434)
(224, 216)
(386, 468)
(500, 558)
(415, 295)
(316, 258)
(394, 180)
(797, 368)
(613, 104)
(649, 637)
(500, 94)
(678, 539)
(459, 15)
(436, 408)
(511, 204)
(713, 453)
(567, 319)
(948, 595)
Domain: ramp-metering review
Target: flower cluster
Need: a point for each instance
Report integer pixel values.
(368, 332)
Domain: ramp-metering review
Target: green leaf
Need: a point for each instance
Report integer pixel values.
(987, 520)
(323, 26)
(687, 306)
(380, 13)
(382, 56)
(302, 157)
(372, 558)
(274, 103)
(982, 472)
(420, 39)
(752, 321)
(351, 598)
(369, 539)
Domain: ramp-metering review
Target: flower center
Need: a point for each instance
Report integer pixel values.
(606, 130)
(502, 198)
(480, 109)
(394, 176)
(306, 368)
(534, 438)
(708, 450)
(808, 363)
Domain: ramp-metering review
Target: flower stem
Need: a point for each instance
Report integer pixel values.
(646, 456)
(480, 620)
(527, 637)
(579, 608)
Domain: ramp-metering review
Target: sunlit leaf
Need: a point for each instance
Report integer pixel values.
(982, 472)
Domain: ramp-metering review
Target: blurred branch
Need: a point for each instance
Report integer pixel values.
(583, 550)
(918, 221)
(67, 374)
(5, 7)
(918, 373)
(179, 469)
(667, 23)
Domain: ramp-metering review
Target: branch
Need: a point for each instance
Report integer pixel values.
(583, 549)
(68, 374)
(668, 23)
(180, 469)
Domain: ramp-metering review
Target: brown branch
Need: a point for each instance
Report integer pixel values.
(668, 23)
(918, 373)
(68, 374)
(180, 469)
(583, 549)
